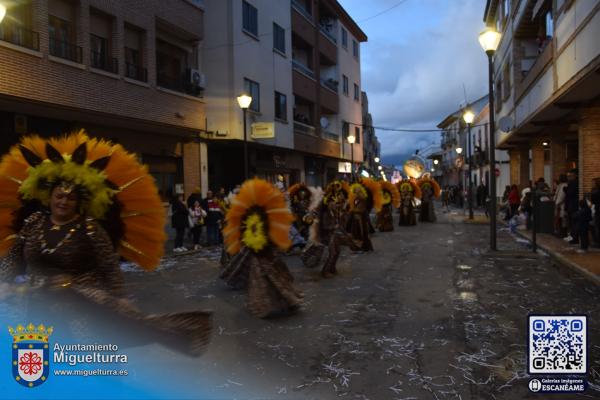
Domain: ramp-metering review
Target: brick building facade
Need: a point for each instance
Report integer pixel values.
(122, 70)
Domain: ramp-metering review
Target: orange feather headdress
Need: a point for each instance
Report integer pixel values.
(424, 182)
(391, 192)
(116, 189)
(410, 185)
(294, 191)
(258, 217)
(375, 195)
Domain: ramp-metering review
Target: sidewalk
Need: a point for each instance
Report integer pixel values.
(587, 264)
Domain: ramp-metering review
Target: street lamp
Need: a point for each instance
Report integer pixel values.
(436, 162)
(459, 150)
(489, 40)
(2, 11)
(380, 168)
(468, 117)
(376, 159)
(244, 100)
(351, 140)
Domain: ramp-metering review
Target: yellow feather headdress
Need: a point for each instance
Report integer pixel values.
(424, 182)
(373, 192)
(410, 185)
(107, 177)
(258, 217)
(391, 192)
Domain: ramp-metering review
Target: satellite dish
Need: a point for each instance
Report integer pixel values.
(506, 124)
(324, 122)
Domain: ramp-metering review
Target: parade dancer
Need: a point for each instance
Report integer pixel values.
(429, 190)
(409, 191)
(300, 199)
(257, 224)
(327, 230)
(364, 195)
(71, 207)
(391, 201)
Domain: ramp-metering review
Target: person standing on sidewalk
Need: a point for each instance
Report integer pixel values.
(596, 204)
(214, 215)
(179, 221)
(560, 215)
(513, 200)
(198, 215)
(572, 205)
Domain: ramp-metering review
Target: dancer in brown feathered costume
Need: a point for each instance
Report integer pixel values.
(364, 195)
(429, 189)
(409, 191)
(391, 200)
(258, 223)
(328, 229)
(300, 200)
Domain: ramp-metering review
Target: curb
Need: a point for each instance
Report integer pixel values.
(565, 261)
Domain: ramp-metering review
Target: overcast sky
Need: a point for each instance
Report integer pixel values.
(415, 63)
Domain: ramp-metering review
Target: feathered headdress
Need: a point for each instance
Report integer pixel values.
(430, 183)
(409, 185)
(336, 189)
(112, 185)
(258, 218)
(390, 193)
(371, 189)
(295, 190)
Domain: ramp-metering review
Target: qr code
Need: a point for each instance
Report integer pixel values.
(557, 344)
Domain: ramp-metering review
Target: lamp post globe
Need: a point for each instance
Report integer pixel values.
(376, 159)
(2, 11)
(244, 100)
(459, 150)
(351, 139)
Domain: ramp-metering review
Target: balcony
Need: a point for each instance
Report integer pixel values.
(301, 8)
(103, 62)
(66, 50)
(331, 136)
(20, 36)
(330, 84)
(178, 84)
(535, 71)
(304, 129)
(136, 72)
(328, 31)
(298, 66)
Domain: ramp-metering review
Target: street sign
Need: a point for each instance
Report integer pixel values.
(263, 130)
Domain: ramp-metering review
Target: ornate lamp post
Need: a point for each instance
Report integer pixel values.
(468, 117)
(244, 100)
(489, 40)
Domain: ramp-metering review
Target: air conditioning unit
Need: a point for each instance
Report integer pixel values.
(197, 78)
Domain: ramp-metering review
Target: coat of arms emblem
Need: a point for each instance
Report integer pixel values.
(30, 349)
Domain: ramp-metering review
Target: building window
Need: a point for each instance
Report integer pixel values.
(280, 106)
(100, 43)
(345, 84)
(345, 130)
(506, 82)
(99, 51)
(278, 38)
(16, 27)
(250, 18)
(62, 37)
(354, 48)
(253, 89)
(171, 66)
(344, 38)
(356, 92)
(357, 134)
(134, 65)
(549, 25)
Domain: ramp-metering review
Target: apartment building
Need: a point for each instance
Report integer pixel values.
(450, 161)
(547, 87)
(327, 89)
(123, 70)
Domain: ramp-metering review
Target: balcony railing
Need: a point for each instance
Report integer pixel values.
(20, 36)
(177, 84)
(305, 129)
(298, 6)
(328, 32)
(303, 68)
(330, 84)
(65, 50)
(103, 62)
(136, 72)
(331, 136)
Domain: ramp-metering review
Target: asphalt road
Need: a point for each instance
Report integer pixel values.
(430, 314)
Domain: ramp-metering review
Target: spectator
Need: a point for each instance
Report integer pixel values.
(179, 221)
(214, 215)
(541, 185)
(513, 201)
(572, 205)
(198, 215)
(583, 217)
(596, 204)
(560, 214)
(527, 206)
(195, 196)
